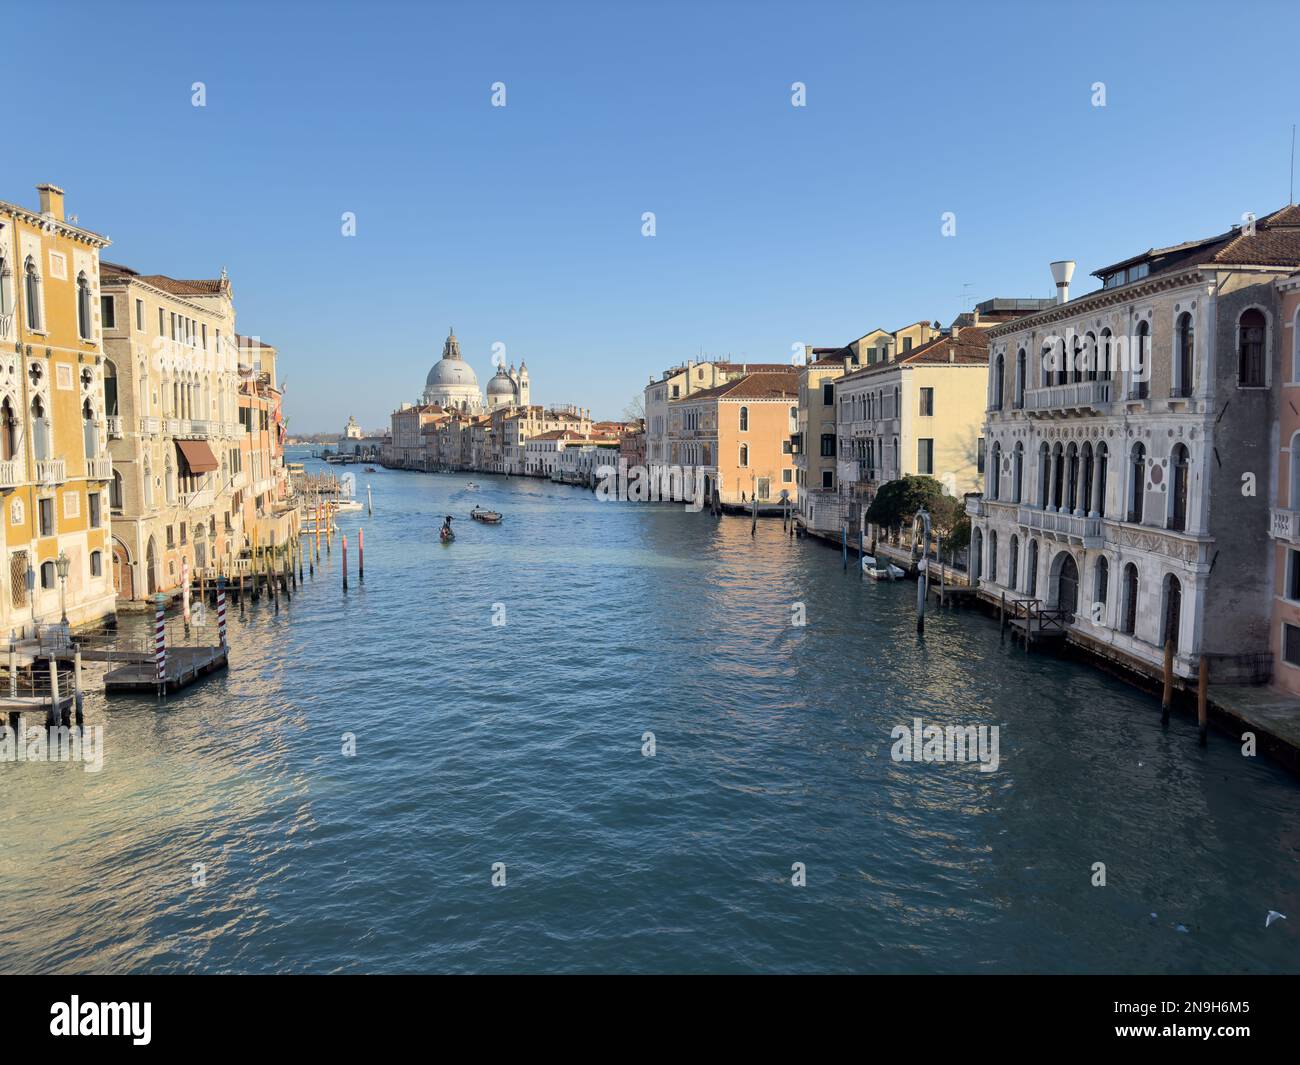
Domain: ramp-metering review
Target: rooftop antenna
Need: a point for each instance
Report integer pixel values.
(965, 296)
(1291, 198)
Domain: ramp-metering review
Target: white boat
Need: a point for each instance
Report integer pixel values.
(470, 484)
(347, 506)
(868, 563)
(885, 573)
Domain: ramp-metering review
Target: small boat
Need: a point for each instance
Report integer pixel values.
(446, 535)
(488, 517)
(348, 506)
(471, 485)
(370, 469)
(885, 573)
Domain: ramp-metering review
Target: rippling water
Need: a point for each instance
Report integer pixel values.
(521, 744)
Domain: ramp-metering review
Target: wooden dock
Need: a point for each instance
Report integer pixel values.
(184, 666)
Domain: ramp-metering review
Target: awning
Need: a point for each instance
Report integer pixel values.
(197, 455)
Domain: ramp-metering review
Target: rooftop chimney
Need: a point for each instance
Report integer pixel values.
(51, 200)
(1061, 273)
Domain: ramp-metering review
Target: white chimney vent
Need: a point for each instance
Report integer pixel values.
(1061, 273)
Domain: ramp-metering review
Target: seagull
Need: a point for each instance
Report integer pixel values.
(1273, 915)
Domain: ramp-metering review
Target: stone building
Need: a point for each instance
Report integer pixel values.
(1129, 453)
(174, 427)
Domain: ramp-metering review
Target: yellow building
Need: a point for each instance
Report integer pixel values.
(54, 462)
(919, 413)
(814, 440)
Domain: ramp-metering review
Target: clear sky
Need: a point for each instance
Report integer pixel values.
(522, 224)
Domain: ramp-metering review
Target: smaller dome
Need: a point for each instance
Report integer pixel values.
(501, 385)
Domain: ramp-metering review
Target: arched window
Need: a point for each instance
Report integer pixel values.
(1137, 482)
(169, 480)
(1185, 345)
(1044, 474)
(1086, 502)
(1020, 379)
(998, 370)
(1129, 621)
(744, 419)
(744, 453)
(40, 430)
(1013, 563)
(6, 296)
(48, 579)
(115, 492)
(89, 431)
(1017, 472)
(1076, 360)
(110, 388)
(1031, 572)
(1140, 363)
(1072, 478)
(1103, 455)
(1047, 360)
(32, 292)
(1250, 350)
(993, 555)
(1180, 464)
(897, 469)
(1105, 356)
(148, 483)
(8, 431)
(1101, 581)
(977, 554)
(1058, 475)
(84, 323)
(995, 472)
(1090, 355)
(1173, 612)
(1293, 460)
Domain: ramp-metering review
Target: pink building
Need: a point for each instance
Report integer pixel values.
(1284, 523)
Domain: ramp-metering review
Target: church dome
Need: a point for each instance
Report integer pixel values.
(501, 385)
(452, 382)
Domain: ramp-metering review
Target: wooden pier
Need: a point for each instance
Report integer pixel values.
(1033, 623)
(184, 666)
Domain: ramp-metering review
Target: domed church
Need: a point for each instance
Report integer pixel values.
(453, 385)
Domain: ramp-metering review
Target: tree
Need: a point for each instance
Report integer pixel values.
(897, 502)
(635, 410)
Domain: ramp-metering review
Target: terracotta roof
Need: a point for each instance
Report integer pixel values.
(1275, 242)
(764, 384)
(177, 287)
(970, 348)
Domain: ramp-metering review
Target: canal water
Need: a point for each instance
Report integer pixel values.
(521, 743)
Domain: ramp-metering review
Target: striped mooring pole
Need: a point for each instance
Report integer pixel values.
(361, 556)
(345, 562)
(160, 640)
(221, 610)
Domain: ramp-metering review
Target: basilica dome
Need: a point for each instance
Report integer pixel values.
(452, 382)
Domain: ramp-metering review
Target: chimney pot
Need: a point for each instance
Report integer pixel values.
(1062, 271)
(51, 200)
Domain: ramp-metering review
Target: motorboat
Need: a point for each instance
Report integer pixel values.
(887, 572)
(471, 485)
(370, 469)
(487, 517)
(348, 506)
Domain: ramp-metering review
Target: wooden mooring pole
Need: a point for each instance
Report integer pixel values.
(361, 556)
(1202, 701)
(345, 563)
(1167, 697)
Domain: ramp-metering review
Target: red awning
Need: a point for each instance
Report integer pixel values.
(197, 456)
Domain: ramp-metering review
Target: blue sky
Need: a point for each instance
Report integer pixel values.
(522, 224)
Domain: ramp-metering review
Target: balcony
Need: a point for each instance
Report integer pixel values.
(171, 426)
(114, 426)
(148, 426)
(193, 429)
(100, 469)
(10, 475)
(975, 507)
(1080, 396)
(1284, 525)
(51, 471)
(1059, 525)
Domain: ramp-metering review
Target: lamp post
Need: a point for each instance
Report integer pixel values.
(61, 567)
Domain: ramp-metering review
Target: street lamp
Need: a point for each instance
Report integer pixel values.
(61, 567)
